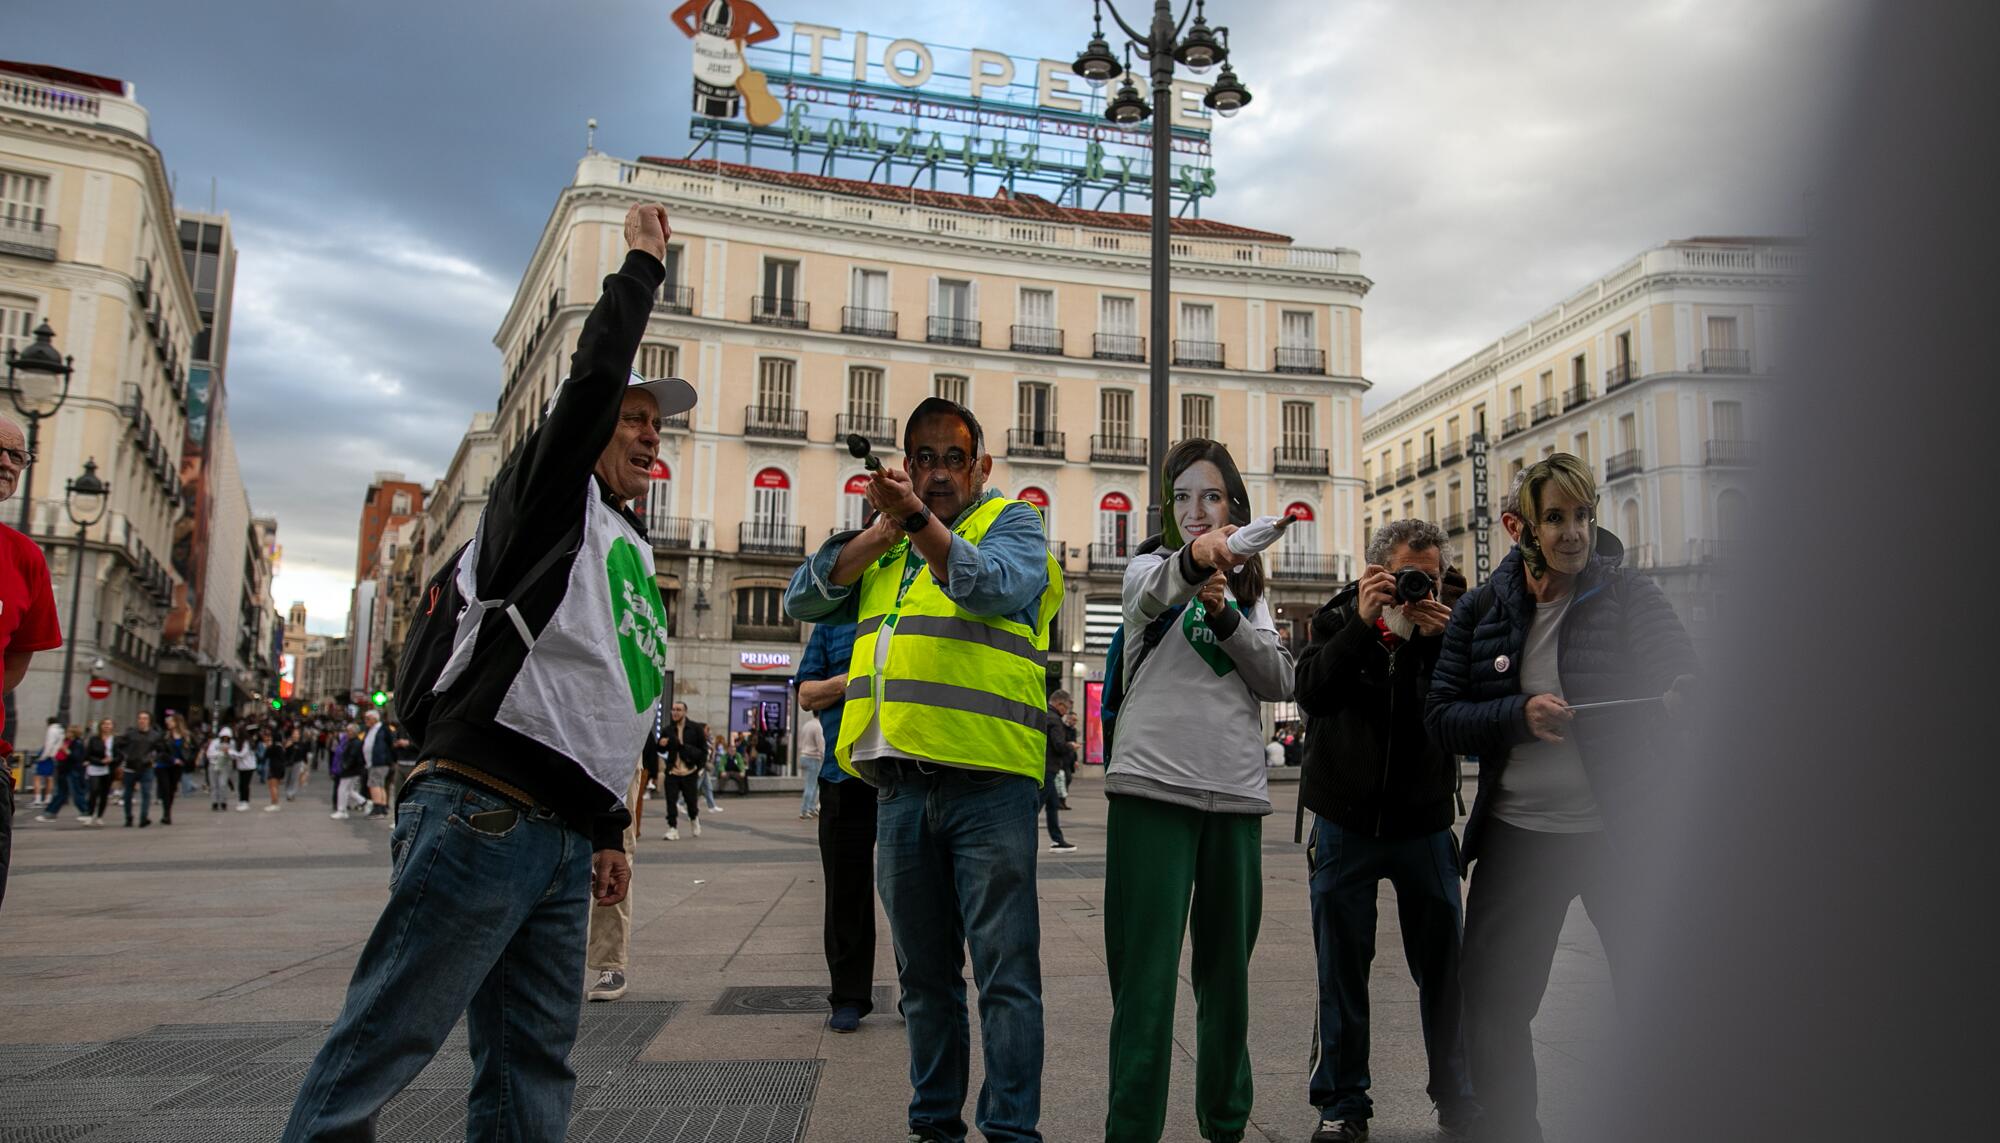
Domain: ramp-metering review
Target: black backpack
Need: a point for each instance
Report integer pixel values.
(1115, 682)
(433, 634)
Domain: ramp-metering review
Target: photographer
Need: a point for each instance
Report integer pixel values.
(1559, 625)
(1381, 793)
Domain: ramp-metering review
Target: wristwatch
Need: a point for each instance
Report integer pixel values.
(916, 521)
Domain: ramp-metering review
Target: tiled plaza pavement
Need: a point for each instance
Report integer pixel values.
(171, 983)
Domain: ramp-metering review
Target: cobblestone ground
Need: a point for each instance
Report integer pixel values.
(171, 983)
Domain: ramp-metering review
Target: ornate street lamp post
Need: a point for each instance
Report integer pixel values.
(38, 384)
(1197, 47)
(85, 499)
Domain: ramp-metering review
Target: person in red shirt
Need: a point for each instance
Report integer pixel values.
(27, 614)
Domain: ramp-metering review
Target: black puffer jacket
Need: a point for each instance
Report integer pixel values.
(1370, 765)
(1620, 639)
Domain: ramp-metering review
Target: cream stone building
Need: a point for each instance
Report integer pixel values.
(453, 504)
(1655, 373)
(89, 243)
(804, 308)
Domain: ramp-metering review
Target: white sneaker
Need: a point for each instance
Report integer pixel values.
(271, 809)
(697, 826)
(716, 809)
(672, 834)
(338, 815)
(242, 807)
(83, 819)
(43, 818)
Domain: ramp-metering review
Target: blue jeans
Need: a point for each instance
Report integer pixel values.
(141, 777)
(72, 789)
(955, 864)
(809, 799)
(488, 924)
(1347, 870)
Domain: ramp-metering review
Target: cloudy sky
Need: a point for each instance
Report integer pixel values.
(389, 165)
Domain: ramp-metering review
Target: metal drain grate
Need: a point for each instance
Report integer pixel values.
(60, 1100)
(689, 1125)
(158, 1057)
(787, 1000)
(20, 1059)
(257, 1125)
(301, 1050)
(63, 1133)
(448, 1070)
(265, 1085)
(710, 1083)
(285, 1029)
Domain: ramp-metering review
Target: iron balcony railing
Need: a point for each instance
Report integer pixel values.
(1405, 473)
(1730, 453)
(1545, 409)
(1060, 551)
(952, 331)
(1198, 354)
(1714, 551)
(1450, 453)
(746, 632)
(1427, 463)
(1118, 346)
(677, 299)
(1515, 423)
(1298, 461)
(790, 313)
(1624, 464)
(772, 421)
(1725, 361)
(672, 533)
(1385, 482)
(1035, 339)
(1111, 448)
(676, 422)
(29, 237)
(759, 538)
(1048, 444)
(1576, 396)
(1455, 523)
(1298, 359)
(1308, 566)
(866, 322)
(1109, 557)
(1620, 375)
(880, 431)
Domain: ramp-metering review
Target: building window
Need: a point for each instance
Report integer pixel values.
(656, 360)
(953, 388)
(399, 505)
(1582, 448)
(774, 384)
(673, 264)
(1579, 374)
(1628, 432)
(24, 199)
(1035, 407)
(1114, 524)
(1624, 350)
(1479, 419)
(854, 502)
(1102, 616)
(1197, 322)
(761, 607)
(1038, 309)
(953, 299)
(1452, 499)
(1296, 426)
(1729, 420)
(659, 503)
(771, 498)
(1301, 547)
(1295, 330)
(781, 285)
(1451, 430)
(1197, 416)
(1118, 316)
(1114, 413)
(864, 392)
(17, 322)
(1431, 505)
(1545, 385)
(1721, 333)
(871, 290)
(1514, 401)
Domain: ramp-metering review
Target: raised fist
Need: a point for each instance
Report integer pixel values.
(646, 229)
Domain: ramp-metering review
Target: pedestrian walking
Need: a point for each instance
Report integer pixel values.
(683, 756)
(812, 752)
(244, 755)
(1382, 795)
(350, 770)
(170, 764)
(100, 764)
(293, 750)
(377, 746)
(271, 766)
(45, 762)
(1186, 783)
(846, 833)
(72, 787)
(1559, 625)
(219, 765)
(953, 590)
(608, 941)
(27, 611)
(513, 821)
(1056, 757)
(138, 754)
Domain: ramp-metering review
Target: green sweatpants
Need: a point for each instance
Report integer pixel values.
(1157, 855)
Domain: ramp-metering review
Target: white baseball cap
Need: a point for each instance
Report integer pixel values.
(673, 394)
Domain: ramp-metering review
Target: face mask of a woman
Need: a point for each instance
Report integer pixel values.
(1565, 531)
(1201, 503)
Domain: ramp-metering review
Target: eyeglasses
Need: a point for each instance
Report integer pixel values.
(952, 461)
(21, 458)
(637, 419)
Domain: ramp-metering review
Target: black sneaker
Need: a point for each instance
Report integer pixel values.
(1457, 1120)
(1341, 1131)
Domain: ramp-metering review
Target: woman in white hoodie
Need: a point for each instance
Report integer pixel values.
(1188, 800)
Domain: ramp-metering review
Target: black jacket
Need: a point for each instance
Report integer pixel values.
(140, 747)
(535, 505)
(1620, 639)
(689, 745)
(1370, 765)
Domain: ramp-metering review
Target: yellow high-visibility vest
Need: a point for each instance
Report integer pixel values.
(970, 690)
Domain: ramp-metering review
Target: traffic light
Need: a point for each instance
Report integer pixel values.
(379, 698)
(277, 704)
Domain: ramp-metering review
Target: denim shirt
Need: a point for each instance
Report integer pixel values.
(827, 655)
(1002, 575)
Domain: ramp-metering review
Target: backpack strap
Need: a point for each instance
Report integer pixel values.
(510, 603)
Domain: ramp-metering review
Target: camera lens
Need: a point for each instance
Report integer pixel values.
(1413, 584)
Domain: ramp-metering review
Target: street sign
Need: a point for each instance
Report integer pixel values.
(1482, 519)
(100, 688)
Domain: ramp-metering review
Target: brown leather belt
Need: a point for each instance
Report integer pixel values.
(478, 778)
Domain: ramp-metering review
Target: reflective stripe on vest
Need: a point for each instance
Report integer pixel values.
(958, 688)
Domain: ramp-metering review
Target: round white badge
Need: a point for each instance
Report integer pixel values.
(1502, 663)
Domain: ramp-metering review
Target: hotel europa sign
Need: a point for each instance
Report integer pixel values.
(918, 112)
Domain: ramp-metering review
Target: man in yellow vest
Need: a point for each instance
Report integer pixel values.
(952, 589)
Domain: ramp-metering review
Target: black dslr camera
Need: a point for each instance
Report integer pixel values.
(1413, 584)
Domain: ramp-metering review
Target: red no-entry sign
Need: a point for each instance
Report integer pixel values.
(100, 688)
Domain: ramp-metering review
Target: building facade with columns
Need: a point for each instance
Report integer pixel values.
(1655, 373)
(89, 243)
(804, 308)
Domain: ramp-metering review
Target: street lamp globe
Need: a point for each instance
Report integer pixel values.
(1199, 50)
(1095, 63)
(86, 496)
(1127, 107)
(1228, 96)
(38, 376)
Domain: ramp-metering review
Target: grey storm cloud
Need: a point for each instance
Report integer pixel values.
(389, 166)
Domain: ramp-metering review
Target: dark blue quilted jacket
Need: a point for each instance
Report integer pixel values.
(1620, 639)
